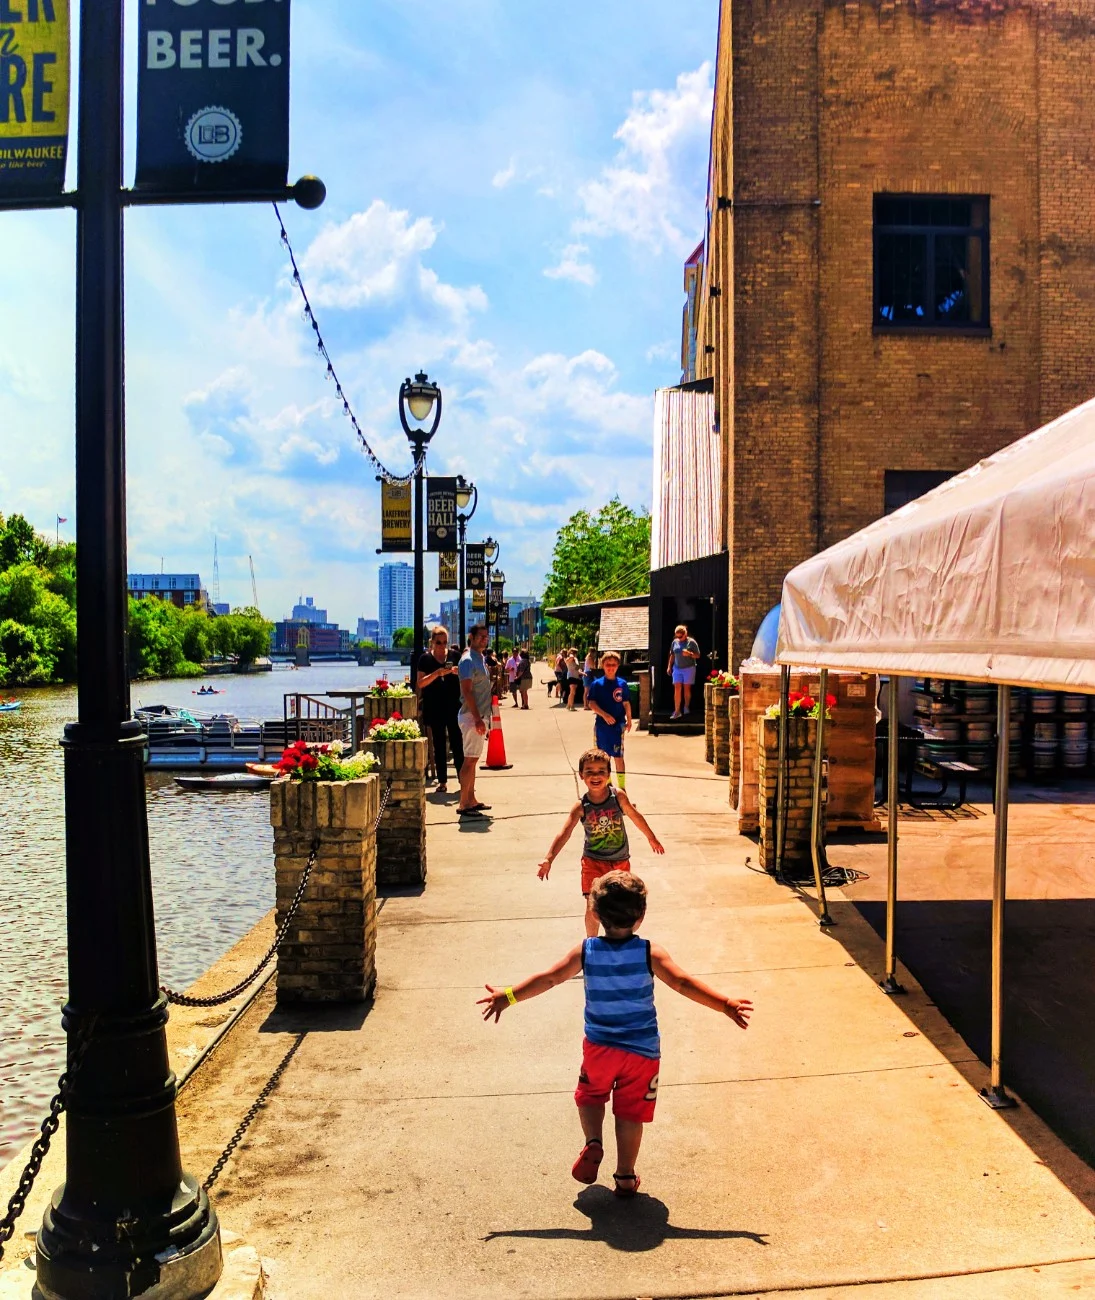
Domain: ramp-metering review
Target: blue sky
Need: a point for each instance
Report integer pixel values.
(512, 190)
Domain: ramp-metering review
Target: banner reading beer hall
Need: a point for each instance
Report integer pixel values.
(212, 95)
(440, 514)
(34, 82)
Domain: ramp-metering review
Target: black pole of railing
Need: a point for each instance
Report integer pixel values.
(128, 1218)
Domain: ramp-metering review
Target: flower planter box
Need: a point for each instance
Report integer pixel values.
(733, 709)
(401, 836)
(329, 951)
(383, 706)
(801, 747)
(720, 727)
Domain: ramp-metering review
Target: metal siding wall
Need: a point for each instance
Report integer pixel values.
(686, 516)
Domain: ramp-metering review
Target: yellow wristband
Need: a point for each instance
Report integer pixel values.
(510, 998)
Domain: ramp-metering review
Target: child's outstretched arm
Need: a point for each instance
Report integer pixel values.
(738, 1009)
(640, 821)
(497, 999)
(559, 842)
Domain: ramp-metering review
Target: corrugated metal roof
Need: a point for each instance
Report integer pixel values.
(687, 515)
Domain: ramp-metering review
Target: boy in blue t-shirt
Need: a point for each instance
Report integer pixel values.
(610, 700)
(621, 1051)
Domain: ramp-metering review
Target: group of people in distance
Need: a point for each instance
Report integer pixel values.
(621, 1049)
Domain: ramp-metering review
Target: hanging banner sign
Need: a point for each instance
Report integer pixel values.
(503, 611)
(34, 86)
(448, 571)
(495, 594)
(475, 568)
(395, 516)
(212, 95)
(440, 514)
(479, 599)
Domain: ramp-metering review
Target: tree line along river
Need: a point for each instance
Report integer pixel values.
(212, 869)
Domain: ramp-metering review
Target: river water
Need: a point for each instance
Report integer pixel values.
(212, 873)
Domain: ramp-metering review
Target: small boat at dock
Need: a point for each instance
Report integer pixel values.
(226, 782)
(9, 706)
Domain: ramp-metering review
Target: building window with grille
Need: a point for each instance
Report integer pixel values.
(931, 262)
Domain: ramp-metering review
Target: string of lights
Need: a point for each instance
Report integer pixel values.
(332, 374)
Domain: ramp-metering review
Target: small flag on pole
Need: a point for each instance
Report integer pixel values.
(61, 519)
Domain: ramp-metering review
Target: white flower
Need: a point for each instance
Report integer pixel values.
(335, 747)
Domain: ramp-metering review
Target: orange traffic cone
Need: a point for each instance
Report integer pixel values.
(496, 746)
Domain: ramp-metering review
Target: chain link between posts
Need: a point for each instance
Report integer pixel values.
(332, 374)
(52, 1122)
(40, 1149)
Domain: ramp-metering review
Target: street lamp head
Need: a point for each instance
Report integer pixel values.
(465, 493)
(500, 577)
(422, 398)
(490, 550)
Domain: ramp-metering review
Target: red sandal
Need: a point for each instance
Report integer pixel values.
(588, 1162)
(626, 1193)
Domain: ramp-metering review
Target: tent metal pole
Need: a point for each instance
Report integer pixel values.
(781, 771)
(823, 916)
(995, 1095)
(889, 982)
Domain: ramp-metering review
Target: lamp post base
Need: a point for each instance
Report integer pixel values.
(74, 1264)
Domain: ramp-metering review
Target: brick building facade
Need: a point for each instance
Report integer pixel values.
(899, 267)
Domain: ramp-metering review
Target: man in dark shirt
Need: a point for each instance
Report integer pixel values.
(439, 693)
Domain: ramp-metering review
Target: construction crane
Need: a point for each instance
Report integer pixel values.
(216, 574)
(254, 588)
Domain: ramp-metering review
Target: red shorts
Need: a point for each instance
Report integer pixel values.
(631, 1079)
(592, 870)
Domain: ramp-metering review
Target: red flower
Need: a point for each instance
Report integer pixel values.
(830, 701)
(807, 702)
(794, 698)
(376, 722)
(309, 763)
(396, 717)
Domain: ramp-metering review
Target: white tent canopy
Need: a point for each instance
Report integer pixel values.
(990, 577)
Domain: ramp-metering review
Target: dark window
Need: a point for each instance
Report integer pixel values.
(931, 262)
(905, 485)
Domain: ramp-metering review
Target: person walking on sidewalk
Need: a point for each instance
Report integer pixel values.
(590, 672)
(601, 810)
(474, 718)
(684, 655)
(574, 677)
(621, 1050)
(513, 667)
(439, 690)
(610, 701)
(524, 677)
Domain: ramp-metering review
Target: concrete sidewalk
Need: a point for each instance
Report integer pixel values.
(415, 1152)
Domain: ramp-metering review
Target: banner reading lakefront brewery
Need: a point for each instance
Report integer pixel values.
(448, 571)
(440, 514)
(395, 516)
(34, 85)
(475, 570)
(479, 599)
(212, 94)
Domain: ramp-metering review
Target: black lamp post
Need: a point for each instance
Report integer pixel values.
(420, 398)
(500, 579)
(467, 494)
(491, 551)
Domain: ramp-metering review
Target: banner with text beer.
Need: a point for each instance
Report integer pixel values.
(448, 571)
(395, 517)
(34, 97)
(440, 514)
(212, 95)
(475, 570)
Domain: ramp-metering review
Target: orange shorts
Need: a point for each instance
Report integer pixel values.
(593, 869)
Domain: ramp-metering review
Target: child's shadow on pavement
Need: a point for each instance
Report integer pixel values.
(640, 1223)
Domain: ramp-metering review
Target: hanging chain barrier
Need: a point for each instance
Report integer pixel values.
(49, 1127)
(332, 374)
(256, 1106)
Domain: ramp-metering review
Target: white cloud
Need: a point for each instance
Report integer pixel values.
(573, 266)
(667, 350)
(506, 176)
(652, 193)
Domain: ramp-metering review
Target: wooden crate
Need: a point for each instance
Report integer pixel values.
(850, 744)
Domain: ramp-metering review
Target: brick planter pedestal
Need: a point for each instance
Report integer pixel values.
(709, 722)
(383, 706)
(720, 720)
(401, 836)
(801, 745)
(329, 952)
(733, 708)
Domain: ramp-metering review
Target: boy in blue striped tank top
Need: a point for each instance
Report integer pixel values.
(621, 1053)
